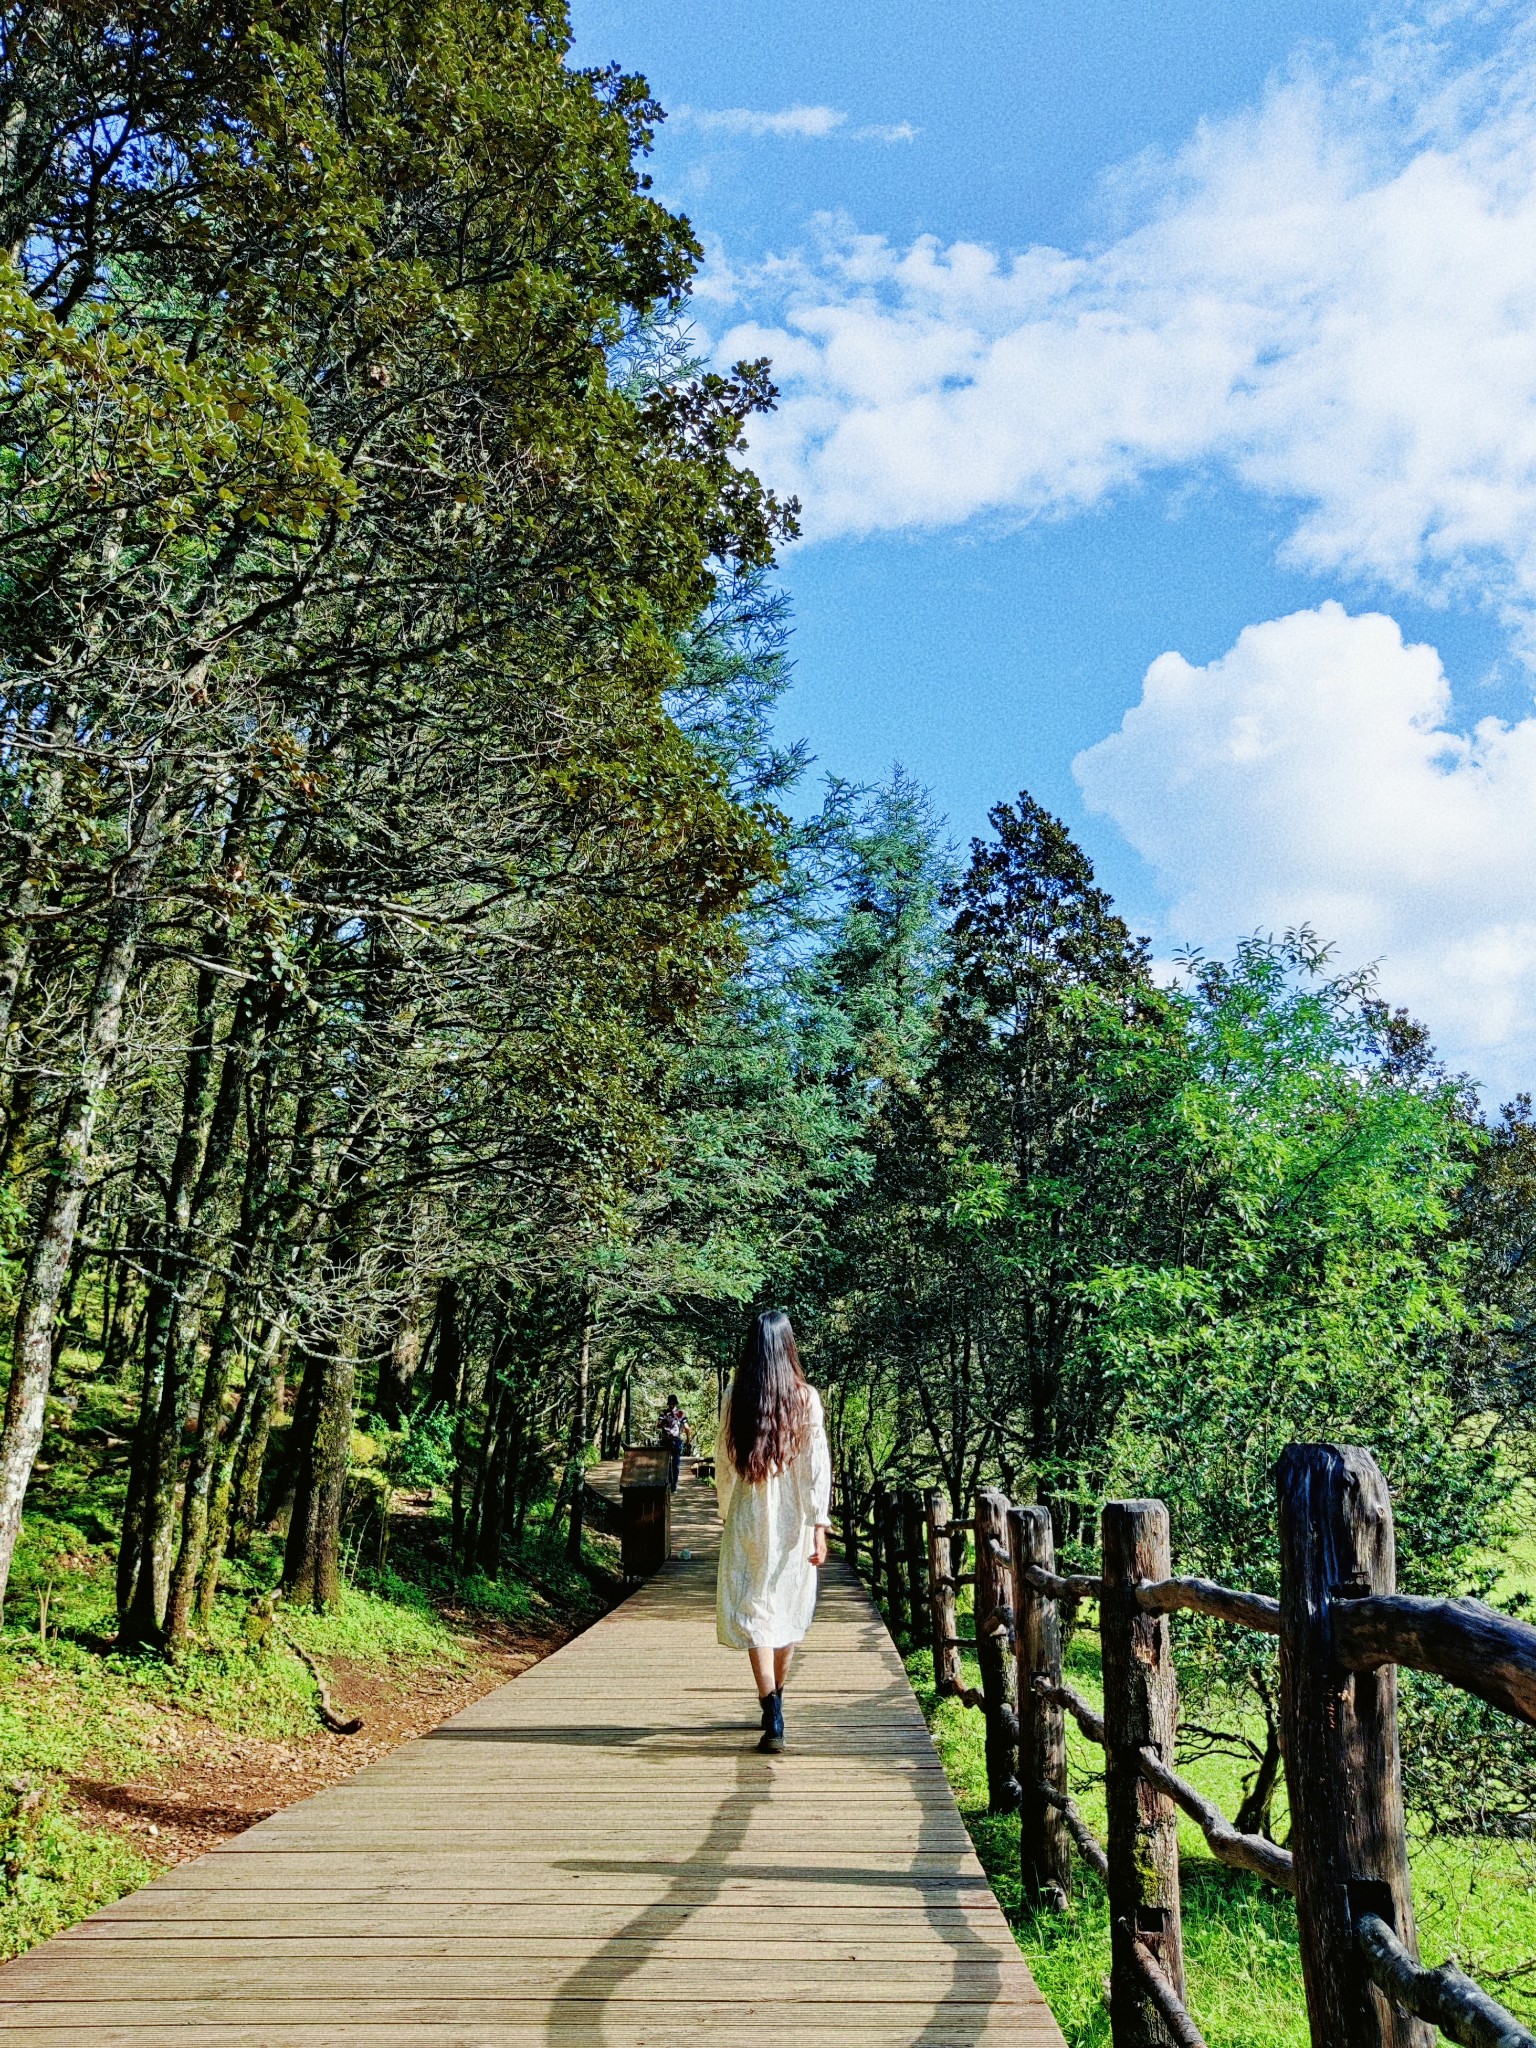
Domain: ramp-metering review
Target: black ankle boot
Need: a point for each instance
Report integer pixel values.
(771, 1740)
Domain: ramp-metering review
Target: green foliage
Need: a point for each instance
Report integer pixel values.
(53, 1871)
(423, 1453)
(1308, 1287)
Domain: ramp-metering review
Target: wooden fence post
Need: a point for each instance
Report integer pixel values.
(1339, 1733)
(1044, 1851)
(897, 1605)
(1141, 1709)
(850, 1518)
(913, 1545)
(941, 1597)
(876, 1538)
(994, 1646)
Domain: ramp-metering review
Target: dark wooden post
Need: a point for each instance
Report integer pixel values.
(1339, 1733)
(1141, 1710)
(915, 1547)
(876, 1538)
(896, 1603)
(994, 1646)
(1044, 1851)
(941, 1597)
(850, 1518)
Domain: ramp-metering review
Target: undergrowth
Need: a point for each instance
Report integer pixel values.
(73, 1708)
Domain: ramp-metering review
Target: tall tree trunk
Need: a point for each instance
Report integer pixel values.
(485, 1465)
(128, 1302)
(493, 1520)
(222, 1353)
(221, 1496)
(577, 1468)
(27, 896)
(448, 1350)
(210, 1120)
(198, 1487)
(151, 1508)
(312, 1562)
(402, 1362)
(58, 1220)
(130, 1545)
(264, 1390)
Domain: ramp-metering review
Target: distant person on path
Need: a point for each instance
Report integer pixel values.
(773, 1476)
(674, 1429)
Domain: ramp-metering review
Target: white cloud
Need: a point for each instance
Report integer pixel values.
(1310, 775)
(1332, 298)
(801, 123)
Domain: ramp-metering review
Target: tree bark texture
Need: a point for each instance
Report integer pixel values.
(578, 1452)
(264, 1390)
(995, 1647)
(914, 1549)
(941, 1597)
(1339, 1734)
(877, 1541)
(1140, 1711)
(312, 1560)
(1045, 1857)
(896, 1595)
(59, 1218)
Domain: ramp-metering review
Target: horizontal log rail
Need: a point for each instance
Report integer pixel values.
(1089, 1847)
(1446, 1997)
(1164, 1997)
(1238, 1851)
(1170, 1596)
(1065, 1696)
(1203, 1596)
(1054, 1587)
(1338, 1613)
(1475, 1647)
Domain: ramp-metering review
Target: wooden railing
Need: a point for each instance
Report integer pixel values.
(1343, 1631)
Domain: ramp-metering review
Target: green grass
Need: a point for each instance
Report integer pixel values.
(71, 1706)
(53, 1869)
(1475, 1898)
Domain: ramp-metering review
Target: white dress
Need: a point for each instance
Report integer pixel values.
(766, 1591)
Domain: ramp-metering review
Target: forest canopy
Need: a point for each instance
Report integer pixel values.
(436, 1009)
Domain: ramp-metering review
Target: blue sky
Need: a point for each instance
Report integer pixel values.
(1160, 385)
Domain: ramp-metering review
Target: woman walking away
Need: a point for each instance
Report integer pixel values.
(773, 1476)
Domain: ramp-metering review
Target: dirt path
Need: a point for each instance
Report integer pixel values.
(215, 1784)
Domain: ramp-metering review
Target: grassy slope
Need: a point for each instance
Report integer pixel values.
(1475, 1899)
(71, 1707)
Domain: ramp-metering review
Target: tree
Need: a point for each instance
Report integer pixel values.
(342, 601)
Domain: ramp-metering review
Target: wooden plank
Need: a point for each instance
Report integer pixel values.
(685, 2030)
(594, 1854)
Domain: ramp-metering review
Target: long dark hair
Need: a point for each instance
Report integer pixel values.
(768, 1408)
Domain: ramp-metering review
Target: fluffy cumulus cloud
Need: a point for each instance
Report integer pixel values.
(1331, 299)
(1311, 775)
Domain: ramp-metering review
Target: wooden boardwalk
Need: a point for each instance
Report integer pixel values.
(593, 1854)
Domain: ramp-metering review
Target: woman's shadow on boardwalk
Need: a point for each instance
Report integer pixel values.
(717, 1865)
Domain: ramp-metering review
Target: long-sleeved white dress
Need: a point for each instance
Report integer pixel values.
(766, 1591)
